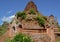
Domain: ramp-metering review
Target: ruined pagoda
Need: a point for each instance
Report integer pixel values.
(31, 26)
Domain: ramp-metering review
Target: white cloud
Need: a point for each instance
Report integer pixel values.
(10, 11)
(8, 19)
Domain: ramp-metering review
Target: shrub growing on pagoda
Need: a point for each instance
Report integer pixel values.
(40, 20)
(21, 14)
(31, 11)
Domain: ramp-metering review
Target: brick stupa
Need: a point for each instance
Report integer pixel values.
(31, 27)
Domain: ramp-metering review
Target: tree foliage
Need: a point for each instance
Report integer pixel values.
(21, 38)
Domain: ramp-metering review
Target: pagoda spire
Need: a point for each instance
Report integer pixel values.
(31, 5)
(30, 0)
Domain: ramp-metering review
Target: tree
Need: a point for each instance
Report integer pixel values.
(21, 38)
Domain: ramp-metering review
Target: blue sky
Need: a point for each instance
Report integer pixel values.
(9, 7)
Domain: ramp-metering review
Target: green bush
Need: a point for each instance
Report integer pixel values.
(17, 22)
(59, 28)
(7, 40)
(21, 38)
(32, 11)
(40, 20)
(21, 14)
(3, 28)
(45, 17)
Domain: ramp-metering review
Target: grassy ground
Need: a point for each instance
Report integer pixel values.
(58, 39)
